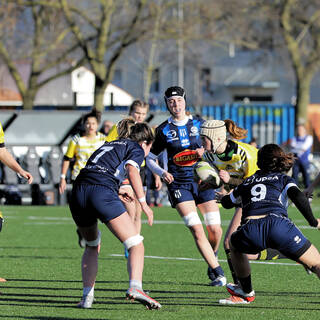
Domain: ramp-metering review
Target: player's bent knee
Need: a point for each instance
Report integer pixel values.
(133, 241)
(94, 243)
(192, 219)
(212, 218)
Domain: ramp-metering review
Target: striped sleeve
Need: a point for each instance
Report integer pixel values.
(72, 147)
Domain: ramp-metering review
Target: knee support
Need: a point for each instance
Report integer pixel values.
(191, 219)
(133, 241)
(211, 218)
(94, 243)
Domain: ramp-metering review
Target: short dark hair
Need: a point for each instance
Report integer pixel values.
(94, 113)
(271, 158)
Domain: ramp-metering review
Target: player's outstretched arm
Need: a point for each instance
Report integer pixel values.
(303, 205)
(136, 183)
(7, 158)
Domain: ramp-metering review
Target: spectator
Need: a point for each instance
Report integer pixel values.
(301, 147)
(106, 126)
(254, 142)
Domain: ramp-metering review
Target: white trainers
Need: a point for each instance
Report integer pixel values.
(233, 300)
(236, 290)
(140, 296)
(86, 302)
(219, 281)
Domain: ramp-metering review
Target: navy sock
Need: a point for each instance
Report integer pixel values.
(218, 271)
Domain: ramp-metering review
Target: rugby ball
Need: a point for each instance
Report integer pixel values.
(207, 173)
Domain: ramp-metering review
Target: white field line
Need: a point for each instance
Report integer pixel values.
(220, 260)
(43, 220)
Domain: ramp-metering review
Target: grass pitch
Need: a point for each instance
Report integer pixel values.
(40, 258)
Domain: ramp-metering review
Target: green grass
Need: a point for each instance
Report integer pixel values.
(40, 258)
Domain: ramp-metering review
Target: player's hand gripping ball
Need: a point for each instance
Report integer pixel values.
(207, 175)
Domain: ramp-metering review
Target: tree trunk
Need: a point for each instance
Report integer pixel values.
(28, 99)
(303, 97)
(99, 90)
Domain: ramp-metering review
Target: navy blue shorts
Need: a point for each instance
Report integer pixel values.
(89, 203)
(188, 192)
(274, 231)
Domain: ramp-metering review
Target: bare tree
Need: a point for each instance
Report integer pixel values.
(33, 33)
(283, 26)
(112, 26)
(300, 26)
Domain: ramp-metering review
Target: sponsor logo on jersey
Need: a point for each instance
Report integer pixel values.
(185, 158)
(194, 131)
(171, 134)
(182, 133)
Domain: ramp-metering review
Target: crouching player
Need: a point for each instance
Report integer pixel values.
(265, 223)
(95, 196)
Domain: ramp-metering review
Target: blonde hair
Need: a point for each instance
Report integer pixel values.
(124, 126)
(138, 103)
(235, 131)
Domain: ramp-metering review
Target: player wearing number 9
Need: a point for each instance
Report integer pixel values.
(265, 223)
(95, 196)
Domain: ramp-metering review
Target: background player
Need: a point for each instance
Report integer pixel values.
(265, 223)
(81, 147)
(138, 111)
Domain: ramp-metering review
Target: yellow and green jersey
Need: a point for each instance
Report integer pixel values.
(239, 160)
(82, 148)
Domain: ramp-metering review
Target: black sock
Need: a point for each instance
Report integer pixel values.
(246, 284)
(235, 278)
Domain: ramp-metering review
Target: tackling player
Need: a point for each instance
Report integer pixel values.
(265, 223)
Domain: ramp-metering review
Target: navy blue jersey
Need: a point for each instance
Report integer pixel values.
(106, 166)
(176, 138)
(263, 193)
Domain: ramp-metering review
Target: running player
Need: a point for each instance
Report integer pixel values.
(95, 197)
(180, 136)
(265, 223)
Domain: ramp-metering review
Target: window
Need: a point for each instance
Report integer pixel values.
(117, 78)
(205, 80)
(155, 81)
